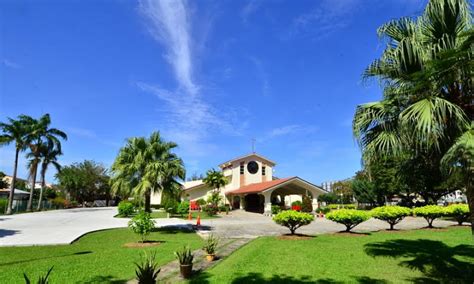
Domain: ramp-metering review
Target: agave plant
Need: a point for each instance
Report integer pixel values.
(211, 244)
(41, 279)
(184, 256)
(147, 270)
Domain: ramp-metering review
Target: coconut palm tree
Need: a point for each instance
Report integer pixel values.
(49, 156)
(215, 179)
(426, 72)
(40, 135)
(146, 165)
(14, 131)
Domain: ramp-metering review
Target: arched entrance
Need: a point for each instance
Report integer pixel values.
(236, 202)
(254, 203)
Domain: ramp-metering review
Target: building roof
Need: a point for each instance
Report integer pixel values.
(261, 186)
(228, 163)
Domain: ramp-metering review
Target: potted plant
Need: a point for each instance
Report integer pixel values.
(296, 205)
(185, 259)
(210, 247)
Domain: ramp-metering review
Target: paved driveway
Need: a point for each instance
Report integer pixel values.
(241, 224)
(62, 226)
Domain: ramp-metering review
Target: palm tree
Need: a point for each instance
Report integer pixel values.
(15, 131)
(40, 135)
(215, 180)
(49, 156)
(426, 71)
(146, 165)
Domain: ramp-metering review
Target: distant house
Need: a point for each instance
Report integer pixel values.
(252, 186)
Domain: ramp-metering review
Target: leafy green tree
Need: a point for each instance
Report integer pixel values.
(430, 213)
(142, 224)
(3, 183)
(146, 165)
(364, 190)
(329, 198)
(460, 212)
(426, 71)
(14, 131)
(348, 217)
(40, 136)
(85, 181)
(293, 219)
(390, 214)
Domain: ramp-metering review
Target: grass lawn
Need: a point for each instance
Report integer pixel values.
(95, 258)
(162, 214)
(420, 256)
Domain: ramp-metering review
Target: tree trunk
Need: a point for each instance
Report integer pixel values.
(148, 201)
(43, 183)
(12, 185)
(391, 226)
(29, 207)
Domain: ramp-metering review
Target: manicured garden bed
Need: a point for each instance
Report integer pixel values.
(427, 255)
(97, 257)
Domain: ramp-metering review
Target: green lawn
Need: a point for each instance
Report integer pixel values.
(421, 256)
(161, 214)
(95, 258)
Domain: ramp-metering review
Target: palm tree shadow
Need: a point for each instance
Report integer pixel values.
(437, 261)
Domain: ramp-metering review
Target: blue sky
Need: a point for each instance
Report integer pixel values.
(209, 75)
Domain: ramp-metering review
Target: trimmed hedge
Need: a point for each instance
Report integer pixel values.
(342, 206)
(293, 219)
(391, 214)
(348, 217)
(460, 212)
(430, 213)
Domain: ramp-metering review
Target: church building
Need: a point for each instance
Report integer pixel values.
(252, 186)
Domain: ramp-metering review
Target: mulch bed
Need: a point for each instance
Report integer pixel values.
(146, 244)
(295, 237)
(351, 234)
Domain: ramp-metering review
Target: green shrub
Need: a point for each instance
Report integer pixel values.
(41, 279)
(184, 256)
(142, 224)
(293, 219)
(341, 206)
(307, 204)
(201, 202)
(296, 203)
(59, 202)
(147, 270)
(390, 214)
(183, 208)
(276, 209)
(211, 209)
(324, 210)
(125, 209)
(3, 205)
(171, 205)
(348, 217)
(460, 212)
(214, 198)
(430, 213)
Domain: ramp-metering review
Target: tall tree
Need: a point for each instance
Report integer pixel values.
(49, 156)
(215, 179)
(40, 135)
(426, 71)
(146, 165)
(14, 131)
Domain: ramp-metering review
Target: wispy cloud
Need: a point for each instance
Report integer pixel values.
(324, 19)
(262, 75)
(169, 23)
(10, 64)
(250, 8)
(190, 118)
(287, 130)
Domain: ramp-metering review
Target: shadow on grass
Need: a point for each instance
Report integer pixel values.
(103, 279)
(436, 260)
(175, 229)
(48, 257)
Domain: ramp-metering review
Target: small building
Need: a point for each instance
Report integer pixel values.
(252, 186)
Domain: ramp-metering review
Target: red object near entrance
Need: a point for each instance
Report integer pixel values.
(193, 205)
(296, 207)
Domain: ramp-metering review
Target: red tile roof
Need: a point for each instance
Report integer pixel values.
(259, 187)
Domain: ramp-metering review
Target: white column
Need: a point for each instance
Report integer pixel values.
(268, 203)
(315, 202)
(242, 200)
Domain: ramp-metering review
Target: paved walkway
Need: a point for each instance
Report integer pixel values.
(62, 226)
(241, 224)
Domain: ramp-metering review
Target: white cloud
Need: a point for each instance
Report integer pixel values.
(249, 9)
(10, 64)
(262, 75)
(169, 23)
(286, 130)
(326, 18)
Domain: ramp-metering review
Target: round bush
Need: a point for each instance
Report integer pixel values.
(460, 212)
(125, 209)
(390, 214)
(430, 213)
(183, 208)
(293, 219)
(142, 224)
(348, 217)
